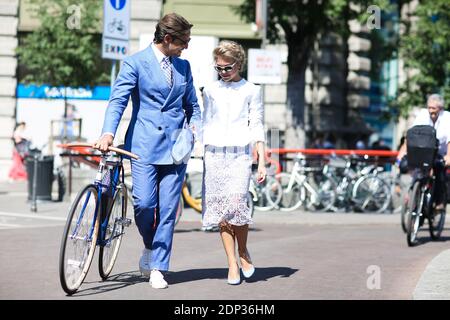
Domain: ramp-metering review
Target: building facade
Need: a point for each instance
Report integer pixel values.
(9, 11)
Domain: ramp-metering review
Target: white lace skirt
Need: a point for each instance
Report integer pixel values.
(226, 179)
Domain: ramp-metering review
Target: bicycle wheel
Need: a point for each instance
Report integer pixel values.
(291, 199)
(115, 225)
(413, 214)
(273, 192)
(404, 210)
(436, 223)
(325, 188)
(398, 196)
(79, 239)
(192, 192)
(179, 210)
(250, 204)
(269, 194)
(371, 194)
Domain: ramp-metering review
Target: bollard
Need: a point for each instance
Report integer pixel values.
(34, 187)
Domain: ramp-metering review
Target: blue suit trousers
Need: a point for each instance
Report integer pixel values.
(156, 193)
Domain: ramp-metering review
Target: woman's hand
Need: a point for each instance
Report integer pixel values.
(262, 172)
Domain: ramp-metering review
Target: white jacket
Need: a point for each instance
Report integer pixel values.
(233, 114)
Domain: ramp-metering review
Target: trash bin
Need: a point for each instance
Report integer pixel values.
(44, 178)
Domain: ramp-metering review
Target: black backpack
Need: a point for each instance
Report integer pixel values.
(422, 146)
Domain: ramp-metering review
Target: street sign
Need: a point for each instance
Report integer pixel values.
(264, 66)
(114, 49)
(116, 29)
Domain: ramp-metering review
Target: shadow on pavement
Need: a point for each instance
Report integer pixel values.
(425, 240)
(114, 282)
(212, 231)
(122, 280)
(261, 274)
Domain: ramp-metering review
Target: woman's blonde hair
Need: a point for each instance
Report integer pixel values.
(232, 50)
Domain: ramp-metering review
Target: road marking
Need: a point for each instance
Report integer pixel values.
(9, 225)
(32, 216)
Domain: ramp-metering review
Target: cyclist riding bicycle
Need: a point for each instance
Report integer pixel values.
(439, 119)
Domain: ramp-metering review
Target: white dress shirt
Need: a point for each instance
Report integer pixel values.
(233, 114)
(158, 54)
(442, 127)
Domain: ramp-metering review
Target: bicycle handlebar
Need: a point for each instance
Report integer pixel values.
(110, 148)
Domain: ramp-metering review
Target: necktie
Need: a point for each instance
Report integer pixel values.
(167, 70)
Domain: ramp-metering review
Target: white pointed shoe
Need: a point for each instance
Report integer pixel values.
(157, 280)
(234, 281)
(144, 262)
(248, 273)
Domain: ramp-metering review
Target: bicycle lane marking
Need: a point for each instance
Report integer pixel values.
(32, 216)
(7, 217)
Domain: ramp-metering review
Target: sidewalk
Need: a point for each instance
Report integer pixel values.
(434, 282)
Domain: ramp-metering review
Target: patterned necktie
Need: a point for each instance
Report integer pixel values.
(167, 70)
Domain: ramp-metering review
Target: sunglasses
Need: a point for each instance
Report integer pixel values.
(226, 68)
(183, 42)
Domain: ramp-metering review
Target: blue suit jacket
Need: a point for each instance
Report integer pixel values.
(158, 111)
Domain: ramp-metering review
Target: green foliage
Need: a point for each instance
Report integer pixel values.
(300, 19)
(64, 50)
(297, 23)
(425, 49)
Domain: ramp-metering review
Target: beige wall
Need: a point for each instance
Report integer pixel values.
(212, 18)
(8, 82)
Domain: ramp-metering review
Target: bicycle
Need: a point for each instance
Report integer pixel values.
(266, 195)
(421, 155)
(116, 25)
(359, 186)
(420, 206)
(305, 185)
(97, 217)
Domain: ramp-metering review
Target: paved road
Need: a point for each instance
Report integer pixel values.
(297, 255)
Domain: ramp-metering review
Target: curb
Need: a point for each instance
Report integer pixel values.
(434, 284)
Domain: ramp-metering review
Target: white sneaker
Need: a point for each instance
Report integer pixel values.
(157, 280)
(144, 262)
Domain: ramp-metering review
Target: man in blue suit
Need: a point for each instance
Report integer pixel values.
(163, 95)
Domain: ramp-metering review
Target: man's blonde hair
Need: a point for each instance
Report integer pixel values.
(232, 50)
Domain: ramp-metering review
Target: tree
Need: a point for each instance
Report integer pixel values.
(298, 23)
(425, 50)
(64, 49)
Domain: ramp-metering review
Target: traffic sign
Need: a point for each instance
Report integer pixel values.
(264, 66)
(116, 19)
(116, 29)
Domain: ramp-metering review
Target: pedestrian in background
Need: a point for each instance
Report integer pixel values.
(21, 148)
(232, 127)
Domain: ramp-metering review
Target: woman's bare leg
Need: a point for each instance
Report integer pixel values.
(228, 240)
(241, 233)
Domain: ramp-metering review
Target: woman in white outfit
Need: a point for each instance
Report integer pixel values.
(232, 127)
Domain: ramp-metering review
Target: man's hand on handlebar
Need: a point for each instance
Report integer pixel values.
(104, 142)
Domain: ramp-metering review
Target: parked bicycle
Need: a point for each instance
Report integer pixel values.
(97, 217)
(306, 186)
(359, 185)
